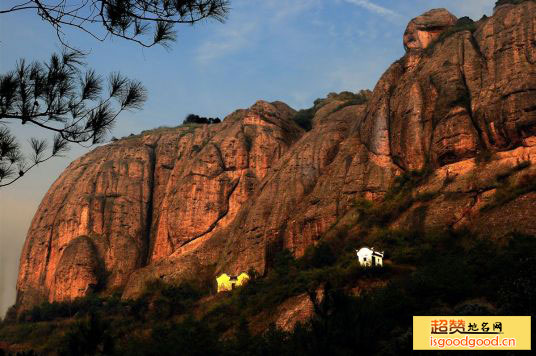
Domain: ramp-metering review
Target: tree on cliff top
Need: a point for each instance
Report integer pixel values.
(514, 2)
(146, 22)
(59, 96)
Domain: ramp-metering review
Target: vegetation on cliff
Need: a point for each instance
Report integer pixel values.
(513, 2)
(258, 176)
(196, 119)
(427, 273)
(415, 172)
(304, 118)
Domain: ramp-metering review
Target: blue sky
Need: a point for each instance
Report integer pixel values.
(289, 50)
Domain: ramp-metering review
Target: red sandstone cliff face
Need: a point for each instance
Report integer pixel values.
(140, 199)
(194, 201)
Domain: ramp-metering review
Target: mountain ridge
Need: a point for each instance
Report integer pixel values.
(195, 201)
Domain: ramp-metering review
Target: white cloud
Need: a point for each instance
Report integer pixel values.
(229, 39)
(282, 9)
(377, 9)
(243, 28)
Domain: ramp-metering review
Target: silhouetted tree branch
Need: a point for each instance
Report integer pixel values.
(146, 22)
(60, 97)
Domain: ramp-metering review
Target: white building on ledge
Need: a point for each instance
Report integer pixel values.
(369, 257)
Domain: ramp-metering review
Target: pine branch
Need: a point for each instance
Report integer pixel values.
(145, 22)
(58, 96)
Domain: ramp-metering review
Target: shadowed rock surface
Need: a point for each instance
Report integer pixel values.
(198, 200)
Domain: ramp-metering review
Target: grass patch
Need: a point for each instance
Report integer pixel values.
(358, 99)
(304, 118)
(507, 191)
(503, 176)
(397, 199)
(181, 130)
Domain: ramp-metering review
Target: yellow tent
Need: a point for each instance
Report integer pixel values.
(242, 279)
(227, 283)
(224, 283)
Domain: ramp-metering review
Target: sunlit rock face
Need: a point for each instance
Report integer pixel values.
(199, 201)
(471, 92)
(141, 199)
(424, 29)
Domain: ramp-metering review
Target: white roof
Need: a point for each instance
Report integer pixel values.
(369, 251)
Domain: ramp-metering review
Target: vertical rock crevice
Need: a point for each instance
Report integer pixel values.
(243, 205)
(145, 255)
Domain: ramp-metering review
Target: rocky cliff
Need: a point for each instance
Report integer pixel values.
(194, 201)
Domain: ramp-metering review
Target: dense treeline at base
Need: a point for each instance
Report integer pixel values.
(425, 273)
(451, 278)
(452, 274)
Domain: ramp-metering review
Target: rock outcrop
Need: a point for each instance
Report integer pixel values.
(198, 200)
(139, 200)
(424, 29)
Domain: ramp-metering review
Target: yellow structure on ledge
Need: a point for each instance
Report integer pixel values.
(228, 283)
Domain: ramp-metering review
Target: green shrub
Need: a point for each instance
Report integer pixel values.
(356, 99)
(452, 270)
(88, 337)
(507, 191)
(430, 273)
(320, 256)
(58, 310)
(501, 177)
(304, 118)
(514, 2)
(398, 199)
